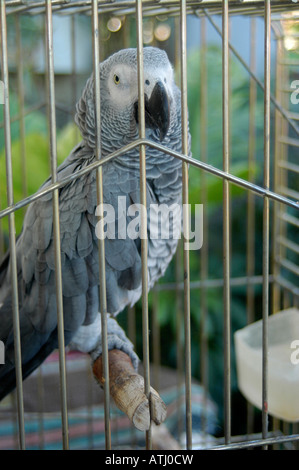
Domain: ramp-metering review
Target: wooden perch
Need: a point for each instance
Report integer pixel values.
(127, 390)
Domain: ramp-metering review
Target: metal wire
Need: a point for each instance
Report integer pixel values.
(250, 255)
(259, 190)
(266, 220)
(56, 223)
(282, 196)
(101, 242)
(204, 267)
(226, 223)
(143, 220)
(185, 200)
(19, 61)
(11, 222)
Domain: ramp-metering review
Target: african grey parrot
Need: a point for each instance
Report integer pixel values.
(78, 219)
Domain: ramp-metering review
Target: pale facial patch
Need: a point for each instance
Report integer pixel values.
(123, 83)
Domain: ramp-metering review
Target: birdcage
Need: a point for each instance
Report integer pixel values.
(237, 66)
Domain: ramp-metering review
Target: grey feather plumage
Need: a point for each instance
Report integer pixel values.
(77, 209)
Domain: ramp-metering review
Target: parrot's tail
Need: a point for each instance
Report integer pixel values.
(8, 372)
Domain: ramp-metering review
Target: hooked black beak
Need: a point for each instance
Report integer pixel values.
(156, 110)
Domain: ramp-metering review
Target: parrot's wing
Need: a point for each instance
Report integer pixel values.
(36, 280)
(79, 262)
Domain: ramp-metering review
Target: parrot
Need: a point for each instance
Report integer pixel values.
(35, 253)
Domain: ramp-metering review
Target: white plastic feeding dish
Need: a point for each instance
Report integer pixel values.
(283, 364)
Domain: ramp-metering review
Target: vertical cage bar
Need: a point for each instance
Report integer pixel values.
(56, 222)
(74, 81)
(21, 105)
(185, 190)
(266, 227)
(226, 223)
(283, 228)
(179, 339)
(143, 236)
(73, 60)
(204, 266)
(250, 255)
(101, 242)
(11, 224)
(178, 279)
(250, 264)
(278, 152)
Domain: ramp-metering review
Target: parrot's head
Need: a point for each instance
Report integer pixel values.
(119, 98)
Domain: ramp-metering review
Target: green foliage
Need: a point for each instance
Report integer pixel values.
(34, 122)
(214, 186)
(37, 165)
(238, 106)
(37, 162)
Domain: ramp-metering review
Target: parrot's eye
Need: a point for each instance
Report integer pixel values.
(116, 79)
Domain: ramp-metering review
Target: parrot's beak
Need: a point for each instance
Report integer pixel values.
(157, 111)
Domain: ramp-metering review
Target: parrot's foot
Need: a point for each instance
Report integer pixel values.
(127, 390)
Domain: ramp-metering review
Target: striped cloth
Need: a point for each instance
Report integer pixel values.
(86, 410)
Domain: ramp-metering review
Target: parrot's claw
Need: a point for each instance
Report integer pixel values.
(128, 391)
